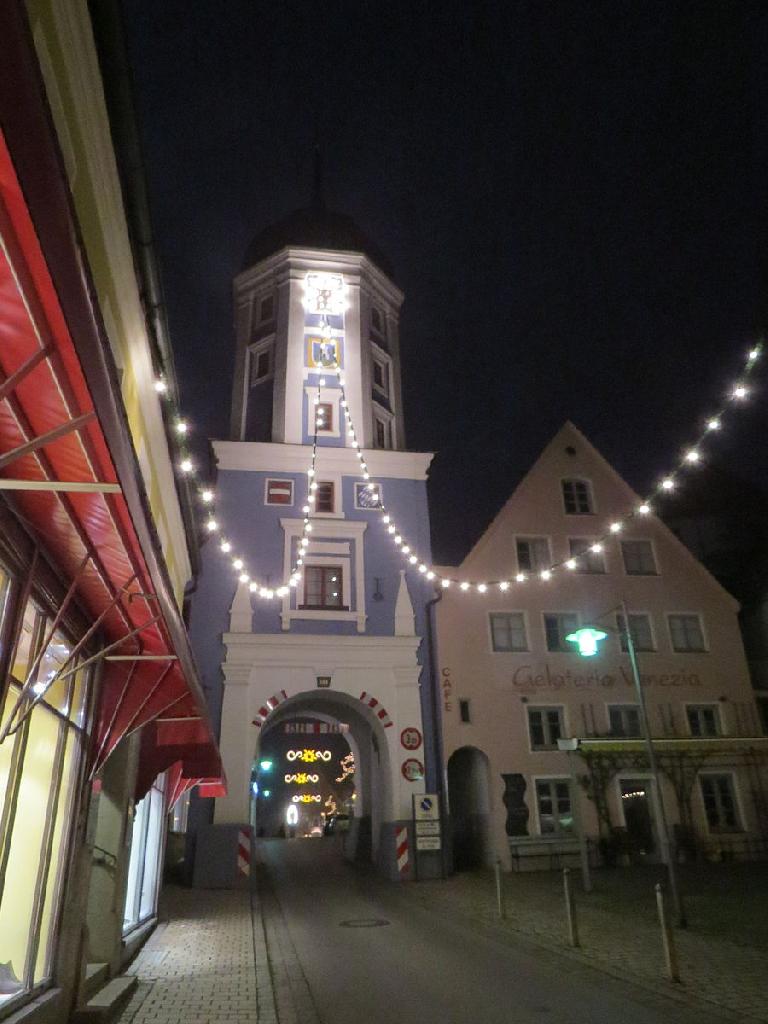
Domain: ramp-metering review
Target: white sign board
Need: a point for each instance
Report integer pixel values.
(427, 842)
(426, 807)
(427, 828)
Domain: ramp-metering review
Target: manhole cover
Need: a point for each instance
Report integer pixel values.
(364, 922)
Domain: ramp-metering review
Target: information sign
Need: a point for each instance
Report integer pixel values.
(428, 842)
(427, 828)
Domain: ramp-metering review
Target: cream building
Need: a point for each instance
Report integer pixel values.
(512, 685)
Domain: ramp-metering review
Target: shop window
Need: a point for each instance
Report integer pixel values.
(179, 816)
(686, 633)
(624, 720)
(703, 719)
(533, 554)
(323, 587)
(638, 558)
(144, 861)
(464, 711)
(587, 560)
(38, 775)
(325, 496)
(640, 628)
(508, 631)
(279, 492)
(719, 803)
(577, 498)
(545, 727)
(557, 626)
(553, 802)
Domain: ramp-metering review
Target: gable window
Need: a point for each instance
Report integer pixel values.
(703, 719)
(557, 626)
(553, 802)
(261, 365)
(533, 554)
(638, 558)
(624, 720)
(686, 633)
(324, 413)
(324, 496)
(577, 498)
(266, 308)
(587, 560)
(719, 803)
(323, 587)
(279, 492)
(545, 727)
(640, 629)
(508, 631)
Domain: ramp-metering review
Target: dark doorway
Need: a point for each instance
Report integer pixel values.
(468, 790)
(636, 804)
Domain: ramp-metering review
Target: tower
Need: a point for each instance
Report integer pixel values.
(315, 305)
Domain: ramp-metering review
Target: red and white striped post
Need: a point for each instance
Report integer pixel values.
(244, 851)
(402, 852)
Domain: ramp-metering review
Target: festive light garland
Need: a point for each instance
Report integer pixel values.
(691, 457)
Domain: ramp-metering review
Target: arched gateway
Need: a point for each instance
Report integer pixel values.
(346, 638)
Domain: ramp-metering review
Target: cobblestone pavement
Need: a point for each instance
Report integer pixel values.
(206, 965)
(715, 971)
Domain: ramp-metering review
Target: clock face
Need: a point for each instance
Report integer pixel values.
(364, 498)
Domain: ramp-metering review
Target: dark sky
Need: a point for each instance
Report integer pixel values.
(573, 196)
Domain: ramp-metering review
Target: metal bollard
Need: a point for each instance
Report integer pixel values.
(667, 937)
(570, 909)
(500, 905)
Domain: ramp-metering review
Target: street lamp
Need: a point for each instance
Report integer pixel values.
(587, 639)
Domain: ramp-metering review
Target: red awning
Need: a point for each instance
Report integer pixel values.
(55, 448)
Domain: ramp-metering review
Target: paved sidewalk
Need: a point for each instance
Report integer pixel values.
(715, 971)
(206, 965)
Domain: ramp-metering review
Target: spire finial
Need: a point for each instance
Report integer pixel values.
(318, 196)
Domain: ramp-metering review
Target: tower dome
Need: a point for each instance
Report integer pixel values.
(314, 227)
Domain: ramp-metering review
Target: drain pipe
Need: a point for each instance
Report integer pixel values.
(437, 724)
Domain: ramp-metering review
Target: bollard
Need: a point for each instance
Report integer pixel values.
(570, 909)
(667, 937)
(499, 891)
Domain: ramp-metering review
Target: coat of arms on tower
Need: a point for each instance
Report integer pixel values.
(323, 352)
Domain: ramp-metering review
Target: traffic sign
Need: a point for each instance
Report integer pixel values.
(412, 769)
(426, 807)
(411, 738)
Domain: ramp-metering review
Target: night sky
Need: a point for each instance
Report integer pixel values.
(573, 196)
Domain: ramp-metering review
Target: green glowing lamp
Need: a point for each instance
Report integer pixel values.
(587, 639)
(266, 766)
(266, 792)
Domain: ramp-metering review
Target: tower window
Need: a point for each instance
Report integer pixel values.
(324, 411)
(323, 587)
(577, 498)
(261, 365)
(383, 433)
(324, 496)
(381, 377)
(377, 320)
(266, 308)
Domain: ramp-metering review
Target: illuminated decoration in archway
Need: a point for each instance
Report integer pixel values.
(306, 798)
(309, 756)
(330, 805)
(587, 639)
(347, 765)
(301, 778)
(292, 815)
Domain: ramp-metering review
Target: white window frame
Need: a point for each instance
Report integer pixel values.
(334, 544)
(260, 300)
(704, 636)
(564, 732)
(279, 480)
(357, 485)
(742, 821)
(344, 563)
(572, 649)
(628, 776)
(388, 419)
(378, 355)
(254, 351)
(590, 494)
(588, 541)
(529, 537)
(639, 540)
(552, 777)
(654, 640)
(328, 396)
(508, 611)
(338, 497)
(704, 704)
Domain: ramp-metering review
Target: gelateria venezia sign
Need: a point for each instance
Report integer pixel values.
(533, 678)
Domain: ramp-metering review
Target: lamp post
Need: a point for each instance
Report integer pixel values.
(587, 639)
(570, 745)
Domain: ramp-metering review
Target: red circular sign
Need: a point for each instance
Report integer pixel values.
(412, 769)
(411, 738)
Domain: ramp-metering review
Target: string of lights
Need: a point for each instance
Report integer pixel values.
(692, 456)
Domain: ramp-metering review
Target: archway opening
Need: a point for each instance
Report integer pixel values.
(469, 794)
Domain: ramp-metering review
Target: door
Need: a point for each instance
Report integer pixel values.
(636, 796)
